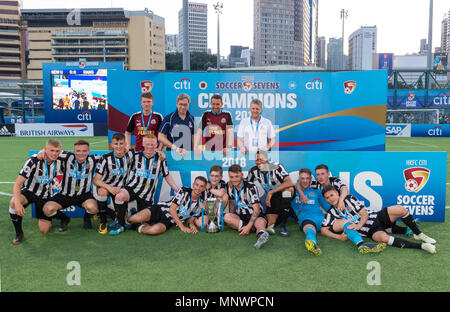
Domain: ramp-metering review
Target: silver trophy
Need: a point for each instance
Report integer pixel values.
(212, 226)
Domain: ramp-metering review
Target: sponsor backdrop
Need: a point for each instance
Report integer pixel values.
(418, 130)
(55, 79)
(416, 180)
(50, 129)
(418, 99)
(310, 111)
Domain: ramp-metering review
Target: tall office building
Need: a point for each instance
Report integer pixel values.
(321, 52)
(362, 44)
(314, 32)
(282, 32)
(135, 38)
(334, 54)
(12, 40)
(198, 27)
(445, 33)
(423, 46)
(172, 44)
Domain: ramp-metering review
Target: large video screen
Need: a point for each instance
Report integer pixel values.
(79, 89)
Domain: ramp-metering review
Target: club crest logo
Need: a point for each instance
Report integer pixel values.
(411, 96)
(146, 86)
(349, 86)
(416, 178)
(247, 85)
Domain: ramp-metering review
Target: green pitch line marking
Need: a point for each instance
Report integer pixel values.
(424, 144)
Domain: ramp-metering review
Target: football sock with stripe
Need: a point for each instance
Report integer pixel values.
(409, 221)
(403, 243)
(16, 220)
(311, 234)
(353, 235)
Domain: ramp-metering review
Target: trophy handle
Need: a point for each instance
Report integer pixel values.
(221, 214)
(203, 210)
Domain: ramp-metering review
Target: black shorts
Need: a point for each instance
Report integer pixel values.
(141, 203)
(279, 205)
(158, 216)
(381, 223)
(67, 201)
(38, 203)
(246, 218)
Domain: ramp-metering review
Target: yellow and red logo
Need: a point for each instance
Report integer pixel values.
(146, 86)
(416, 178)
(349, 86)
(247, 85)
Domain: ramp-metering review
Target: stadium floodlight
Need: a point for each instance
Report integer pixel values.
(218, 7)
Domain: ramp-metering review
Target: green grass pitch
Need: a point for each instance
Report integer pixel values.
(224, 262)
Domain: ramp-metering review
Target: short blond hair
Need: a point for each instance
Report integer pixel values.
(54, 143)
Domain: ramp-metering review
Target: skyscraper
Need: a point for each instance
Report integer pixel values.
(321, 52)
(445, 33)
(334, 56)
(198, 27)
(314, 30)
(282, 32)
(362, 43)
(12, 42)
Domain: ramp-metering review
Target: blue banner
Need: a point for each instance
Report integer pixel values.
(310, 111)
(411, 98)
(430, 130)
(416, 180)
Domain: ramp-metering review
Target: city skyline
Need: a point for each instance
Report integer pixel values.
(401, 24)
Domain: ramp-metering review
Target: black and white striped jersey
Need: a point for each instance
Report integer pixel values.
(186, 207)
(78, 177)
(268, 179)
(244, 198)
(222, 185)
(335, 181)
(114, 170)
(41, 177)
(144, 175)
(351, 213)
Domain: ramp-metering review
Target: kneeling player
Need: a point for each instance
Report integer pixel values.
(278, 188)
(33, 185)
(245, 212)
(310, 216)
(375, 224)
(76, 183)
(112, 171)
(186, 205)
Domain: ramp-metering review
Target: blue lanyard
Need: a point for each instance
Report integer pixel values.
(148, 123)
(347, 216)
(151, 164)
(46, 172)
(82, 169)
(118, 164)
(266, 185)
(257, 125)
(236, 196)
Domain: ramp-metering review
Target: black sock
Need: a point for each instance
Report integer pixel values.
(87, 216)
(409, 221)
(259, 233)
(285, 209)
(111, 213)
(403, 243)
(398, 229)
(17, 222)
(60, 215)
(121, 211)
(102, 210)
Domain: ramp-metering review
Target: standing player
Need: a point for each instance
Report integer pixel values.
(185, 206)
(76, 183)
(278, 191)
(34, 185)
(310, 216)
(177, 128)
(112, 171)
(217, 126)
(244, 205)
(256, 132)
(142, 180)
(143, 122)
(374, 224)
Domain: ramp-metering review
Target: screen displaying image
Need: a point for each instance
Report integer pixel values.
(83, 89)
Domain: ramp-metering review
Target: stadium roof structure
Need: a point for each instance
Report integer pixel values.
(271, 68)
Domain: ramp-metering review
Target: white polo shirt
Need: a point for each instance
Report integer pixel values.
(256, 135)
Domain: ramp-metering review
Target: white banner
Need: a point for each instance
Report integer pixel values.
(49, 129)
(398, 130)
